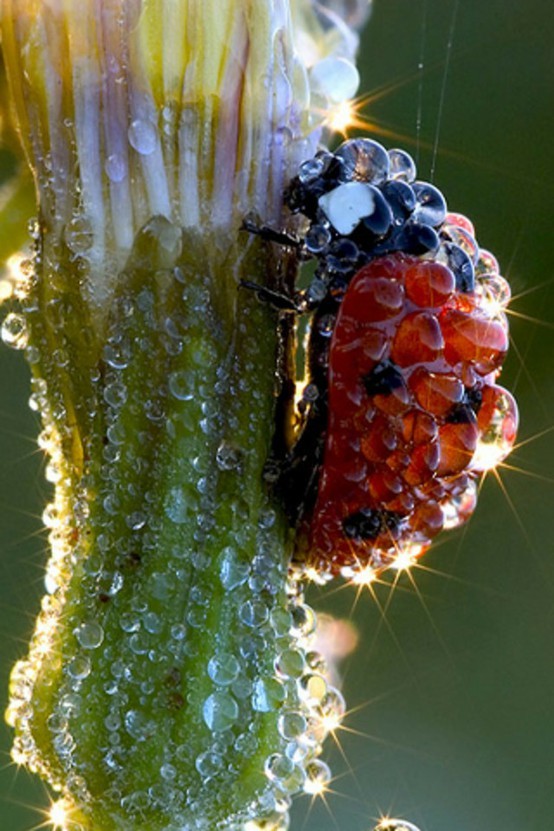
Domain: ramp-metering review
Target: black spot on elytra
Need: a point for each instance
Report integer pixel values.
(367, 524)
(473, 397)
(460, 414)
(383, 379)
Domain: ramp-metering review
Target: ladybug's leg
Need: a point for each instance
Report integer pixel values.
(271, 234)
(279, 300)
(299, 472)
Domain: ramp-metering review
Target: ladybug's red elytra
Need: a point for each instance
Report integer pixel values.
(411, 394)
(401, 410)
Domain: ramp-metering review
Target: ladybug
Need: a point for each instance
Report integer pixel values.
(401, 410)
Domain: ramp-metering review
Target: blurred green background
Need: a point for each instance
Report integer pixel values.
(452, 685)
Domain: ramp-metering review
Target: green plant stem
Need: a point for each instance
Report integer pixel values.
(170, 553)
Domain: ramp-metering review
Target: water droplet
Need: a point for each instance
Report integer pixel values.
(78, 235)
(177, 507)
(14, 331)
(50, 516)
(290, 663)
(363, 160)
(281, 621)
(153, 623)
(253, 613)
(117, 355)
(303, 620)
(79, 667)
(208, 763)
(318, 776)
(223, 669)
(161, 586)
(90, 635)
(431, 205)
(310, 170)
(181, 385)
(116, 433)
(242, 687)
(220, 711)
(317, 239)
(196, 616)
(233, 571)
(136, 520)
(178, 631)
(498, 422)
(228, 456)
(136, 803)
(395, 825)
(267, 694)
(402, 166)
(115, 394)
(278, 766)
(168, 772)
(138, 725)
(313, 686)
(333, 706)
(57, 723)
(495, 294)
(129, 622)
(292, 725)
(139, 643)
(267, 519)
(112, 722)
(116, 168)
(143, 136)
(336, 78)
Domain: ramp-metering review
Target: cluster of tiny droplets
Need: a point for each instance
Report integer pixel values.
(309, 706)
(296, 688)
(309, 709)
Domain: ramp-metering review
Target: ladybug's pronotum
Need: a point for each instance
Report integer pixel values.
(401, 412)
